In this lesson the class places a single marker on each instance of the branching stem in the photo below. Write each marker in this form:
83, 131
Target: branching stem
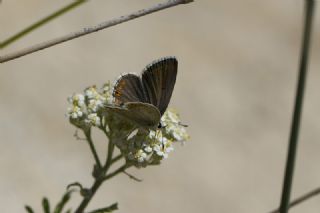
301, 199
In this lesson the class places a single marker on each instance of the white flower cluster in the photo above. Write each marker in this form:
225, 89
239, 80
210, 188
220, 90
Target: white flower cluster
140, 147
84, 110
150, 148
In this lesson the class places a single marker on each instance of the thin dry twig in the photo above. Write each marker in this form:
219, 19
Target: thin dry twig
88, 30
301, 199
40, 23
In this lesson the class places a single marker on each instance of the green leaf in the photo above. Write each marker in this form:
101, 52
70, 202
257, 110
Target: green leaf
106, 209
45, 205
62, 203
29, 209
74, 184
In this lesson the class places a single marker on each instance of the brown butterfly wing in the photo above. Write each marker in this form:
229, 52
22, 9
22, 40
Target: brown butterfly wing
142, 114
128, 88
158, 80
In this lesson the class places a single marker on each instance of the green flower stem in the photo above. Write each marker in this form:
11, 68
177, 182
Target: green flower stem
87, 199
301, 199
93, 149
292, 149
109, 161
115, 159
111, 208
119, 170
41, 22
97, 183
109, 156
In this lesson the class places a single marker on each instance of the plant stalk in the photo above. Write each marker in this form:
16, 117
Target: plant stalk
92, 148
295, 126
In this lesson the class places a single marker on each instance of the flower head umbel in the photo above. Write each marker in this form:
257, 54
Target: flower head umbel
140, 147
85, 109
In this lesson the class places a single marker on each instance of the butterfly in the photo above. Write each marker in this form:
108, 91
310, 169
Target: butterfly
143, 99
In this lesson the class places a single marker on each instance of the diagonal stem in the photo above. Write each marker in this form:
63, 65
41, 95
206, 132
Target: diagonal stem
92, 148
293, 142
88, 30
103, 169
301, 199
97, 183
119, 170
41, 22
115, 159
109, 156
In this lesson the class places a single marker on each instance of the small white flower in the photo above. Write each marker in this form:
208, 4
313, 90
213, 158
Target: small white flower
148, 149
99, 102
74, 115
141, 156
140, 159
94, 119
160, 153
152, 134
75, 112
107, 93
76, 99
106, 88
93, 105
177, 136
80, 99
158, 150
91, 92
180, 134
109, 99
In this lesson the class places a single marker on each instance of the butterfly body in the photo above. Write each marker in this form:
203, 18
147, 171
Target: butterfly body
144, 99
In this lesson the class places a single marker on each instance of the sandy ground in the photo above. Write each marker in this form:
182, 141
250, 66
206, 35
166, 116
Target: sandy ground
235, 88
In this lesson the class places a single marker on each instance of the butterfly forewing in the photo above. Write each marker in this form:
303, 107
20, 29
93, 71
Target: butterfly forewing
158, 80
143, 100
128, 88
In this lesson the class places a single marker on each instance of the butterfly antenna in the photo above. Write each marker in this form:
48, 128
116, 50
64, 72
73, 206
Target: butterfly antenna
181, 124
178, 123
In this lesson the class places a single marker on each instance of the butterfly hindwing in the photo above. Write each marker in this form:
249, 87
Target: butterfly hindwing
142, 114
128, 88
158, 80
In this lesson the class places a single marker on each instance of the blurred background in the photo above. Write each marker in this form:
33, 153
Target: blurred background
235, 89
